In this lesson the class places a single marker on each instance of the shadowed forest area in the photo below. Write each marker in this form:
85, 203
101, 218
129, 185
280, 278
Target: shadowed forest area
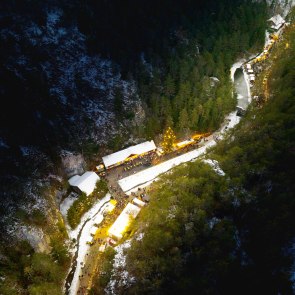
204, 233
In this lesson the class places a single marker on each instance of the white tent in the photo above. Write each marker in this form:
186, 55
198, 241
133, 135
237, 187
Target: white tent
276, 22
120, 156
85, 183
122, 222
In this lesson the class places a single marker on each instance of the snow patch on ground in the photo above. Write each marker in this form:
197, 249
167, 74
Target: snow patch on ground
135, 189
215, 165
232, 120
86, 224
88, 216
282, 6
34, 201
213, 221
145, 177
247, 80
67, 203
84, 85
151, 173
120, 276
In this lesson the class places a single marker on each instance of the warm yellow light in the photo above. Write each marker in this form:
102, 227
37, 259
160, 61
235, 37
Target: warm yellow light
119, 227
111, 205
123, 221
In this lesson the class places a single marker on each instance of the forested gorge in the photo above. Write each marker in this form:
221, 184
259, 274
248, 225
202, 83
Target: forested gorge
174, 50
188, 87
169, 48
204, 233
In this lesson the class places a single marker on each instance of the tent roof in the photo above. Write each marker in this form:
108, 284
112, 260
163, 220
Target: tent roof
73, 180
119, 226
120, 156
86, 182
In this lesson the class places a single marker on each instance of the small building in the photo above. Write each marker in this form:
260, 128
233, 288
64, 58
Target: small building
122, 222
85, 183
131, 152
276, 22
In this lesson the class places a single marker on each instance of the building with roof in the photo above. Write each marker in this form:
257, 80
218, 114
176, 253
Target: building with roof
276, 22
122, 222
85, 183
120, 157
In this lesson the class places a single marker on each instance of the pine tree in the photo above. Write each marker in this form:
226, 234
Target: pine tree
168, 121
168, 140
183, 121
170, 86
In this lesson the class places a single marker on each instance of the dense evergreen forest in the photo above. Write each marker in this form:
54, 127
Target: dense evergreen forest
169, 48
205, 233
180, 86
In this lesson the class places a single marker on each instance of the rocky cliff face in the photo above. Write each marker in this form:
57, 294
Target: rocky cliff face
56, 97
280, 6
60, 86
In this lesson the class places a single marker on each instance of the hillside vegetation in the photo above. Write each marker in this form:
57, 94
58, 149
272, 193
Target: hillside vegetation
186, 85
233, 234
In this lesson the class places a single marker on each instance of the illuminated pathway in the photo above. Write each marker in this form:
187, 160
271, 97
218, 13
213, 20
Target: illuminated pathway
144, 177
72, 281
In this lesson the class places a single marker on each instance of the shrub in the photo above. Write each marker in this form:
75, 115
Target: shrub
84, 203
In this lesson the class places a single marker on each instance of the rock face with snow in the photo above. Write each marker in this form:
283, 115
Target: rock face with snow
72, 90
63, 97
120, 277
72, 163
35, 236
59, 98
280, 6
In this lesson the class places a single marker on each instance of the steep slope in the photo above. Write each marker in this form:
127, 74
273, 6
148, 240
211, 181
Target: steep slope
206, 233
56, 96
65, 98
